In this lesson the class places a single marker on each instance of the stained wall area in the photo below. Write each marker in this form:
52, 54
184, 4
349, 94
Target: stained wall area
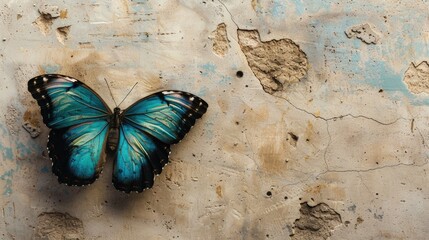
317, 124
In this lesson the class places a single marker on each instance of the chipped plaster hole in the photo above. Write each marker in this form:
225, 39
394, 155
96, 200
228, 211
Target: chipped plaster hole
276, 63
33, 130
47, 14
315, 222
220, 40
49, 11
11, 118
239, 74
43, 24
56, 225
62, 34
269, 194
417, 78
364, 32
292, 139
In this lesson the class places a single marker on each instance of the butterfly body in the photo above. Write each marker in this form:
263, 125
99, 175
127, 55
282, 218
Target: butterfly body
113, 137
84, 129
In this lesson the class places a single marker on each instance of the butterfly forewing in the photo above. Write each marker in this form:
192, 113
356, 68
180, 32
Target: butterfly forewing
65, 101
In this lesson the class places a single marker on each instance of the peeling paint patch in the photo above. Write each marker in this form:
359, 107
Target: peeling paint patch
220, 40
315, 222
276, 63
56, 225
364, 32
417, 78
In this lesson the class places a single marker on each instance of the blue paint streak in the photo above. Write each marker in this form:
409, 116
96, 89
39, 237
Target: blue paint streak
299, 7
44, 169
7, 177
278, 9
207, 69
51, 68
385, 78
225, 80
7, 152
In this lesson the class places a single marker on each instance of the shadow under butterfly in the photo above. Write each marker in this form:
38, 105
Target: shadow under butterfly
84, 129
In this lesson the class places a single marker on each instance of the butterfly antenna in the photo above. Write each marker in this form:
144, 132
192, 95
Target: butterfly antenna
127, 94
110, 92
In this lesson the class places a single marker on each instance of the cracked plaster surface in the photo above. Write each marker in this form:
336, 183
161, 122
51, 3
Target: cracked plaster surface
360, 144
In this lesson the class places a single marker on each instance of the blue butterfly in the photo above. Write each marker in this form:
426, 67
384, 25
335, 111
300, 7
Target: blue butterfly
84, 129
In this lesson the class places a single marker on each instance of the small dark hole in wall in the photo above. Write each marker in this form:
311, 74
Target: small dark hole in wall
269, 193
293, 136
380, 91
239, 74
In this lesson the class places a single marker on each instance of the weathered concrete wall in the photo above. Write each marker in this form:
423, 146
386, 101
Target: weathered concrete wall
317, 125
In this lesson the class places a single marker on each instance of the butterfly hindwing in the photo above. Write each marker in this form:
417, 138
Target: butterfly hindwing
78, 119
78, 152
147, 130
139, 157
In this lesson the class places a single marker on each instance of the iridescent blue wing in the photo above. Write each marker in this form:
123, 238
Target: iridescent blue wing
78, 119
147, 130
65, 101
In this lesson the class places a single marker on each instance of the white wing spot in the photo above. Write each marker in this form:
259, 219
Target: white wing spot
201, 103
38, 90
191, 98
43, 97
34, 82
45, 79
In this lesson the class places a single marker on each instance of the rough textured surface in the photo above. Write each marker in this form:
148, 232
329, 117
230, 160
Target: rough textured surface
56, 225
220, 40
351, 134
363, 32
276, 63
417, 77
315, 222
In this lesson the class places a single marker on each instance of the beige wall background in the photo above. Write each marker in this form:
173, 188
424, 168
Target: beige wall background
324, 135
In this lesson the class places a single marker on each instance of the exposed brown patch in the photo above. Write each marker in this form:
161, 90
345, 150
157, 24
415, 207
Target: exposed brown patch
80, 64
272, 150
63, 13
326, 191
56, 225
276, 63
417, 77
309, 131
219, 191
359, 220
315, 222
255, 4
220, 40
